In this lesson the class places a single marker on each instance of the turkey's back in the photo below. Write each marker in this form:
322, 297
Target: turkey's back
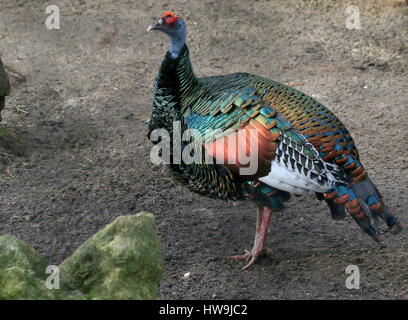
311, 119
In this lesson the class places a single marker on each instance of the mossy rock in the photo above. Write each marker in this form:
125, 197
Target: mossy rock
21, 268
122, 261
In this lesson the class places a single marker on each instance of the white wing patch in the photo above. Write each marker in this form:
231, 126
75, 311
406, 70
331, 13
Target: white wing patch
298, 168
283, 178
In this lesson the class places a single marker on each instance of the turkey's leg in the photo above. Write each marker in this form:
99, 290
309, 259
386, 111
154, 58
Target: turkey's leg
262, 223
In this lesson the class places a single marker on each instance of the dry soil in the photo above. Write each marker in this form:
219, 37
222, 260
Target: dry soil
80, 98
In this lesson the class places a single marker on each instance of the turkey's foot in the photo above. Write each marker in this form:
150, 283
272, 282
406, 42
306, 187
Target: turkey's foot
251, 257
262, 222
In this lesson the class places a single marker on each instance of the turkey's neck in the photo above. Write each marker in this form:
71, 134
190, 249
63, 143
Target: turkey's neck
174, 84
176, 45
176, 74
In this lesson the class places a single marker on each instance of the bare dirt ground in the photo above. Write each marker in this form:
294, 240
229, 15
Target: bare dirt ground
80, 96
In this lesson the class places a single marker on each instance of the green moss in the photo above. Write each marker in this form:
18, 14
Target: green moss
21, 268
122, 261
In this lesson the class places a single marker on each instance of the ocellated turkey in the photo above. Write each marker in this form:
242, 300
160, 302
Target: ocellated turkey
302, 146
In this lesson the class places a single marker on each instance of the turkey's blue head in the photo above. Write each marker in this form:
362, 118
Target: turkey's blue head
175, 28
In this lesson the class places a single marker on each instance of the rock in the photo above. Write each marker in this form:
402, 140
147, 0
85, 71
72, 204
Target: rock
122, 261
8, 141
4, 86
22, 271
4, 81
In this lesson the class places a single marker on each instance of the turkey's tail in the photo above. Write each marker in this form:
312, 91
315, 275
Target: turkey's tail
364, 203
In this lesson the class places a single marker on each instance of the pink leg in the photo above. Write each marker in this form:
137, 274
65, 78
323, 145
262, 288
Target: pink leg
262, 222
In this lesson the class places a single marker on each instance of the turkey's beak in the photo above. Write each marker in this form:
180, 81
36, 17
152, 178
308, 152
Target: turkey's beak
156, 26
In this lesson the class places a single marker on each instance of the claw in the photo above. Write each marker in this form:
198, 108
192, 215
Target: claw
250, 263
249, 256
246, 256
